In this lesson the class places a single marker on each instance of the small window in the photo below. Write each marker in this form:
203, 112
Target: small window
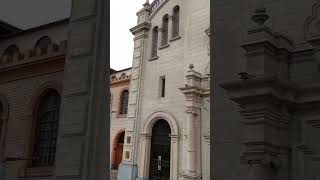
124, 102
162, 86
154, 49
127, 155
176, 20
128, 139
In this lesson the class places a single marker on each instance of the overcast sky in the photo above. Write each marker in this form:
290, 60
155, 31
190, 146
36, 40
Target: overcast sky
30, 13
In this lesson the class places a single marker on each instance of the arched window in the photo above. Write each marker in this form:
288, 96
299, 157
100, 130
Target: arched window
124, 102
165, 22
176, 20
154, 49
46, 130
8, 54
43, 44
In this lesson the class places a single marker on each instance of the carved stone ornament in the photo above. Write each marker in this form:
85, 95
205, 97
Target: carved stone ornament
312, 24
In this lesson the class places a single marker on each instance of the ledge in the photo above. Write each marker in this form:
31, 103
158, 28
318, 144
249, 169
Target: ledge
154, 58
38, 171
121, 116
175, 38
163, 46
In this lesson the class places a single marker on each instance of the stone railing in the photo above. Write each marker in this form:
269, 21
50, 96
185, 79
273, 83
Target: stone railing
155, 4
33, 55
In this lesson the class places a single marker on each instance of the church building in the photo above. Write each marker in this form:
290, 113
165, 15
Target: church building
159, 108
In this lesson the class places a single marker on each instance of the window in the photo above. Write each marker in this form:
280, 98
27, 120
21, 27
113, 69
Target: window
154, 42
162, 86
165, 22
46, 130
176, 19
124, 102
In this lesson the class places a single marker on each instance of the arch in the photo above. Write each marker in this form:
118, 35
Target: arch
42, 45
41, 91
145, 141
176, 21
10, 52
153, 118
113, 78
165, 26
123, 76
154, 48
117, 151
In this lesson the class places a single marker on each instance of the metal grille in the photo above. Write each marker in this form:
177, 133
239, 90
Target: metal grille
124, 102
47, 131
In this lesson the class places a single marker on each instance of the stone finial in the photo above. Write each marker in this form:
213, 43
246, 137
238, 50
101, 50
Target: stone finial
146, 3
260, 16
191, 66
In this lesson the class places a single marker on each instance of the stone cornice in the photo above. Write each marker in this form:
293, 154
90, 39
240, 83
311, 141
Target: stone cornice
140, 27
32, 61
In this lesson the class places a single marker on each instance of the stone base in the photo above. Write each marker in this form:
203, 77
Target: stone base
142, 178
127, 172
187, 175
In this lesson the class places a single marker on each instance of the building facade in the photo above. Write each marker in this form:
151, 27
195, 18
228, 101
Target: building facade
159, 107
169, 93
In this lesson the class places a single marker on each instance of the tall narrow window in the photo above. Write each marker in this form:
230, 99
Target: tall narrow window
46, 130
165, 22
124, 102
176, 20
162, 86
154, 42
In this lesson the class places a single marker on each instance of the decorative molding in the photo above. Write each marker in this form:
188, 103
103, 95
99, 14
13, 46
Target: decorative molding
312, 23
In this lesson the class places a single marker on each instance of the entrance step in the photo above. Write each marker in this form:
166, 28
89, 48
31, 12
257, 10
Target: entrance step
113, 174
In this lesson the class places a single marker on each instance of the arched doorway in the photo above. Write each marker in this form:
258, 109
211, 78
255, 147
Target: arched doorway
117, 151
160, 151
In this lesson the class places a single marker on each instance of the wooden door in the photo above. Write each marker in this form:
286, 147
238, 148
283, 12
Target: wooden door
118, 158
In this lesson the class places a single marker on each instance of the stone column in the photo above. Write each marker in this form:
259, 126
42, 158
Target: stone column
170, 27
160, 33
82, 151
174, 150
191, 160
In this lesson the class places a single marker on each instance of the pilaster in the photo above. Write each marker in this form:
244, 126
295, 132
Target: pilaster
129, 168
82, 128
192, 91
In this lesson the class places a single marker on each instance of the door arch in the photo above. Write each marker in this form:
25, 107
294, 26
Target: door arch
118, 150
146, 139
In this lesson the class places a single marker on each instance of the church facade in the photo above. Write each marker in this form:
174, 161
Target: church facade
169, 93
159, 108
